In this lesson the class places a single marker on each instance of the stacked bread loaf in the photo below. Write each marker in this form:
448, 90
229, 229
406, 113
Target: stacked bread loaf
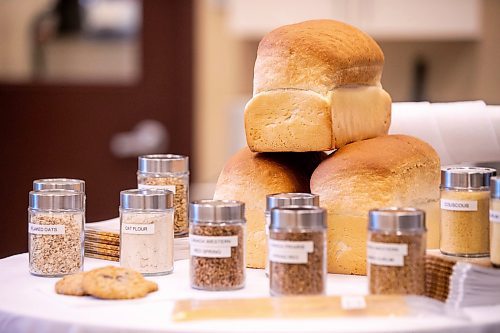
317, 88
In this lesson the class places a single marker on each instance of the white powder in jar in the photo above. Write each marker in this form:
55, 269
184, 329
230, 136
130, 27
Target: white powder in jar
147, 241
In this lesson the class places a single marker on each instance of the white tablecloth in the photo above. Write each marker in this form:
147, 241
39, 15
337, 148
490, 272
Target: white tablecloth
29, 304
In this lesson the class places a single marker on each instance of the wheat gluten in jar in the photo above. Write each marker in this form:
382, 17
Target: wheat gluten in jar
168, 172
396, 251
465, 197
147, 233
217, 244
56, 221
297, 251
495, 222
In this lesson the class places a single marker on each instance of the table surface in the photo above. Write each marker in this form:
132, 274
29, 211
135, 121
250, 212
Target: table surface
29, 304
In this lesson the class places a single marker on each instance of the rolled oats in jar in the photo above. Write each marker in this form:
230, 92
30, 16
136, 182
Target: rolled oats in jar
396, 251
495, 222
217, 244
297, 251
56, 220
465, 196
168, 172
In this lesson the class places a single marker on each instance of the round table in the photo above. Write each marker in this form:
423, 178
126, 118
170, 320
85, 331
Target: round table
29, 304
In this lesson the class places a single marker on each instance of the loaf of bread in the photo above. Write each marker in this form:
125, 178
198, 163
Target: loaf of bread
249, 177
316, 88
391, 170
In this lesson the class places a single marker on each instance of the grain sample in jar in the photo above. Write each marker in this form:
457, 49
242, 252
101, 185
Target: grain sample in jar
285, 199
147, 231
465, 197
168, 172
396, 251
217, 244
297, 251
495, 222
56, 220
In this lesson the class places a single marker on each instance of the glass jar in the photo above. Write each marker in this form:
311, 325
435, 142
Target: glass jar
465, 196
297, 251
56, 219
217, 244
147, 231
281, 200
495, 222
396, 251
168, 172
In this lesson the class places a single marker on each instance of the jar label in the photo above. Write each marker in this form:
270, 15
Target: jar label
459, 205
138, 229
212, 246
44, 229
171, 188
386, 254
290, 252
352, 302
495, 216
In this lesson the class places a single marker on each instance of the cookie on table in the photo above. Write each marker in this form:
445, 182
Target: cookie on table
117, 283
71, 285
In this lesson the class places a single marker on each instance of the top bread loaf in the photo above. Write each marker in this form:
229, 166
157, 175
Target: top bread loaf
316, 88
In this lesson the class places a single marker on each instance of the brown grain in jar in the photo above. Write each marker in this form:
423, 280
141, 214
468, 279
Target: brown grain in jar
396, 251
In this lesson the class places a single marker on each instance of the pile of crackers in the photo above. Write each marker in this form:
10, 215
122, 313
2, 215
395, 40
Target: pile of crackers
102, 245
438, 270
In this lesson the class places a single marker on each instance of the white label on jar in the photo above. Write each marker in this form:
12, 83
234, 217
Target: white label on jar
352, 302
138, 229
495, 216
386, 254
289, 252
213, 241
212, 246
210, 252
459, 205
157, 187
43, 229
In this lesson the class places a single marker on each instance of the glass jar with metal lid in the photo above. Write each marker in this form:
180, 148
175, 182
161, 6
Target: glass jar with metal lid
217, 244
396, 251
465, 196
168, 172
147, 231
495, 222
281, 200
297, 250
56, 220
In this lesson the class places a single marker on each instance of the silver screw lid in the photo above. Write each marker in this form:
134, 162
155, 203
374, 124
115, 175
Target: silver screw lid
217, 211
466, 177
59, 183
396, 219
163, 163
495, 187
146, 199
298, 217
290, 199
56, 199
